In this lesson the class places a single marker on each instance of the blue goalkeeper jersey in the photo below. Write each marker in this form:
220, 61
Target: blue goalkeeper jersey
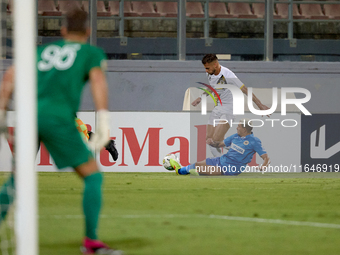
241, 149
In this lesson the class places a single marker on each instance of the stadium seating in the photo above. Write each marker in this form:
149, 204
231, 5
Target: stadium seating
194, 10
65, 6
167, 9
101, 10
241, 10
47, 8
312, 11
170, 9
332, 11
145, 9
282, 11
128, 12
218, 10
259, 10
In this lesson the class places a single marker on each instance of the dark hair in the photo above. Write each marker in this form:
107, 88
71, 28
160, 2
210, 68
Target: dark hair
209, 58
76, 21
247, 124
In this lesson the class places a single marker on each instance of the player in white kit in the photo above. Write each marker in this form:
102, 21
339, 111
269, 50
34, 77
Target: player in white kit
218, 74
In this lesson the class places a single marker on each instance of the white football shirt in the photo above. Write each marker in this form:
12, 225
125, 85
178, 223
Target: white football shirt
224, 77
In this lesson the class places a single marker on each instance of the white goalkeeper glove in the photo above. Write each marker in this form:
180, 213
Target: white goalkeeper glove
3, 122
101, 137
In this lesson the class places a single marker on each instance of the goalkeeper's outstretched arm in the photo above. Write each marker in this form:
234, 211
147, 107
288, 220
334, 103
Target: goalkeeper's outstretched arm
99, 91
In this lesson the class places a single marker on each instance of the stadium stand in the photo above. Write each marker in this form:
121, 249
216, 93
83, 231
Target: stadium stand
167, 9
332, 11
219, 10
259, 9
194, 10
240, 19
282, 11
47, 8
145, 9
128, 12
64, 6
241, 10
312, 11
101, 9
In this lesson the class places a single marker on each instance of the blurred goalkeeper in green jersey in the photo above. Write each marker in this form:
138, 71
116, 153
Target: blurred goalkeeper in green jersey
64, 67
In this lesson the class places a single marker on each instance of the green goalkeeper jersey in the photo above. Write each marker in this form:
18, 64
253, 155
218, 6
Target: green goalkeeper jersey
63, 70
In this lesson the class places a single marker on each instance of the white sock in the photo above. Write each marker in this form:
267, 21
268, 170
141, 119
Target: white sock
216, 152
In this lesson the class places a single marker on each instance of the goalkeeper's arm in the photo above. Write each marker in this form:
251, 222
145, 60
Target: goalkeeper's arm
99, 88
99, 91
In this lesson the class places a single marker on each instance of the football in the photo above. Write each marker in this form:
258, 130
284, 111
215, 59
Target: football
166, 161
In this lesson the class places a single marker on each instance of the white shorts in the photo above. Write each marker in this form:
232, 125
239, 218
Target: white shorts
221, 113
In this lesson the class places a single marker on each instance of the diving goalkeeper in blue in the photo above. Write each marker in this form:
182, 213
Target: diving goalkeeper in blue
243, 145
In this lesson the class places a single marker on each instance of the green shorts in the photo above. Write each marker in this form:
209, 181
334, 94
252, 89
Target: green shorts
63, 141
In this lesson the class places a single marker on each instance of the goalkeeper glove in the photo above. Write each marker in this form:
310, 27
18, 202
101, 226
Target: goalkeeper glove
111, 147
101, 137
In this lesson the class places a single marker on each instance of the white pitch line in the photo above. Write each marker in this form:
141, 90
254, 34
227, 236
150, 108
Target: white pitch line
277, 221
220, 217
128, 188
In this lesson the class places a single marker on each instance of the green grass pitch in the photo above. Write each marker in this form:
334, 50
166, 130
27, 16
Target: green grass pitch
165, 214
